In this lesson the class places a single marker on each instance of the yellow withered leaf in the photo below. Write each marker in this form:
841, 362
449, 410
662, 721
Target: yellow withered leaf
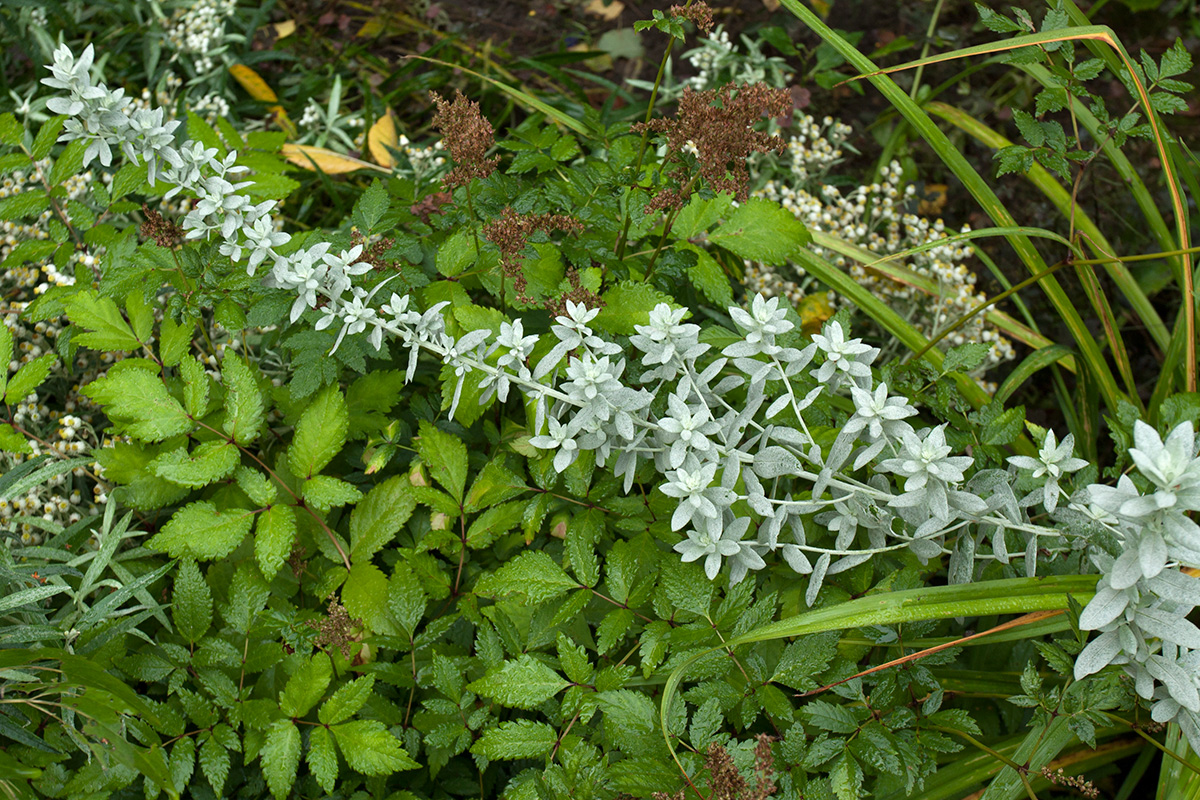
607, 12
382, 136
814, 310
285, 29
257, 88
253, 83
327, 161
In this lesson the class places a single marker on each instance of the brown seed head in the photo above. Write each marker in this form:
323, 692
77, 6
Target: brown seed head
337, 629
718, 123
468, 137
511, 233
699, 13
164, 232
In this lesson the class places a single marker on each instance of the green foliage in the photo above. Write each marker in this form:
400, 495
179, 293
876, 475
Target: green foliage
332, 588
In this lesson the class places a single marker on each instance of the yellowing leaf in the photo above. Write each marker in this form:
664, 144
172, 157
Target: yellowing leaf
257, 88
254, 85
607, 12
814, 310
285, 29
382, 136
327, 161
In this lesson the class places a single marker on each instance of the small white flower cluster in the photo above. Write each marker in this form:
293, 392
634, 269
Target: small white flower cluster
424, 163
200, 31
717, 62
873, 217
210, 106
312, 114
42, 274
49, 506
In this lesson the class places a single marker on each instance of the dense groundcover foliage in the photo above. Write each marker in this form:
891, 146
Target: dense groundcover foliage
591, 458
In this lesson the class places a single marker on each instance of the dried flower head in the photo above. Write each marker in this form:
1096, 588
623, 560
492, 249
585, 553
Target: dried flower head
164, 232
699, 13
337, 629
577, 294
1077, 782
468, 137
718, 123
373, 253
430, 205
511, 233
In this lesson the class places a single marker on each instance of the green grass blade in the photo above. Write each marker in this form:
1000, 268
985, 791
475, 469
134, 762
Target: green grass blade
524, 98
1089, 351
1035, 361
1061, 198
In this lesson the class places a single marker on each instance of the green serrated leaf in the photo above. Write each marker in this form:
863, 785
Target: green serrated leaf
446, 457
495, 484
281, 757
200, 531
46, 137
523, 683
306, 686
532, 573
257, 486
493, 523
965, 357
320, 433
761, 230
324, 492
208, 463
141, 315
322, 758
370, 749
138, 402
365, 596
105, 328
244, 411
1005, 428
699, 214
629, 304
371, 206
273, 538
195, 387
13, 442
406, 598
522, 738
10, 130
346, 701
379, 516
214, 763
28, 378
191, 602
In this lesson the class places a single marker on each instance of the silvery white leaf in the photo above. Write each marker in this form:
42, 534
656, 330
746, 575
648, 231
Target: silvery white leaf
796, 559
1169, 628
1107, 605
1097, 655
774, 462
962, 560
1177, 587
1126, 570
816, 579
780, 404
789, 436
1177, 681
848, 562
